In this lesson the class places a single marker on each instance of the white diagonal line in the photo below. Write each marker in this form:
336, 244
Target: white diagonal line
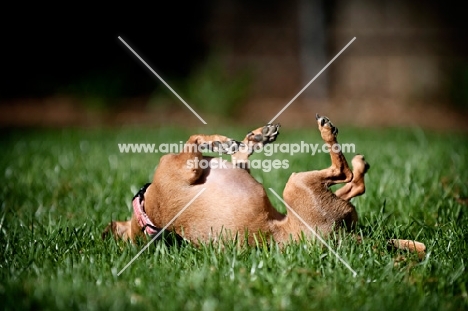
315, 233
167, 85
316, 76
160, 232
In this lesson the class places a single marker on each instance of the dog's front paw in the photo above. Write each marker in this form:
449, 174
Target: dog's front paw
270, 132
326, 128
264, 135
228, 147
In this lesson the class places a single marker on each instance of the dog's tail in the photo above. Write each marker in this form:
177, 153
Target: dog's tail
409, 245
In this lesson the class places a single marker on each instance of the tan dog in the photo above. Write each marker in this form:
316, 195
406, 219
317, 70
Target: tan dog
235, 203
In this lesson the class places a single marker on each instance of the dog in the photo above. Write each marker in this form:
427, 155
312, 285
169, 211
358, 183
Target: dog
233, 202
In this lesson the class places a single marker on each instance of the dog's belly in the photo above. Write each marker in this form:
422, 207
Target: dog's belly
233, 202
233, 182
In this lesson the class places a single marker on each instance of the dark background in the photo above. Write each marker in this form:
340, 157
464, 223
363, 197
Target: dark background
61, 56
58, 50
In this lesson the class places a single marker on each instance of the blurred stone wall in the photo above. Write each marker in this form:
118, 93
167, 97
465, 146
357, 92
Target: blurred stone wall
261, 37
408, 65
400, 69
399, 53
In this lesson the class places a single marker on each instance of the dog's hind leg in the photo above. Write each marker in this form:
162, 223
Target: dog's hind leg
308, 193
356, 186
339, 171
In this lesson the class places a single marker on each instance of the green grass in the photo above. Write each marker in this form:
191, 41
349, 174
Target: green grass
60, 189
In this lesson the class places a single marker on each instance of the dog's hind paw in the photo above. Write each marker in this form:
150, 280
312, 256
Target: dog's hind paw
327, 129
360, 164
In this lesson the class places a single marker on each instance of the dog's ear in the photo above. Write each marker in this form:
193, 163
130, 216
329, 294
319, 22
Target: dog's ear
109, 229
119, 229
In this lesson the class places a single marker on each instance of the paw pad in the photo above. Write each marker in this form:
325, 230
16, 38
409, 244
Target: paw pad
270, 132
324, 122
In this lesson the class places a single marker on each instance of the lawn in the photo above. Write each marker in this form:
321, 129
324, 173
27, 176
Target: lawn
61, 187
